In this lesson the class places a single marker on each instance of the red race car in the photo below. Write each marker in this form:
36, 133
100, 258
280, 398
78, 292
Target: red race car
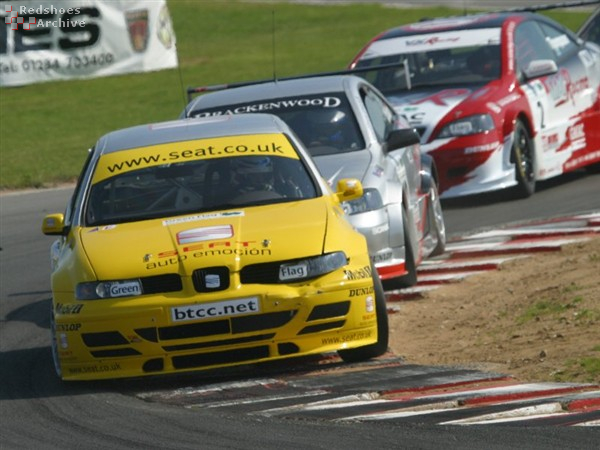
501, 100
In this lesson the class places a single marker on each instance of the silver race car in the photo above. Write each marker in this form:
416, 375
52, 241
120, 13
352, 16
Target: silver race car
351, 130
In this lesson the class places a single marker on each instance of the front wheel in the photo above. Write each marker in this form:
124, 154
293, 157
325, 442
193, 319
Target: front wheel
383, 330
410, 278
524, 158
436, 221
593, 168
54, 346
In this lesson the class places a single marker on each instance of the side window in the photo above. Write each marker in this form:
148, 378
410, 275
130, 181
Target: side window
591, 30
78, 192
560, 43
530, 44
382, 117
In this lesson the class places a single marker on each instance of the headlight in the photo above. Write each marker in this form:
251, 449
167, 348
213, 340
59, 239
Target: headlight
370, 201
108, 289
312, 267
468, 125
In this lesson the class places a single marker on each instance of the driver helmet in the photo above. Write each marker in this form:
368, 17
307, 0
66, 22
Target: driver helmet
328, 126
253, 173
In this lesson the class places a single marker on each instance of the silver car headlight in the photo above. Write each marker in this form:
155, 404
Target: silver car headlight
479, 123
108, 289
370, 201
308, 268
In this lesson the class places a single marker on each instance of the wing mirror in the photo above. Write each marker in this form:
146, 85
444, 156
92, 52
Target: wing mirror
349, 189
53, 224
404, 137
539, 68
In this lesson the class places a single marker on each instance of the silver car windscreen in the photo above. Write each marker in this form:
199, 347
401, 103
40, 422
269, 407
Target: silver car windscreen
325, 122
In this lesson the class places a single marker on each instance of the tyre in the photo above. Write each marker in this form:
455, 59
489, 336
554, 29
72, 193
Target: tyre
54, 347
383, 330
410, 279
524, 158
593, 168
435, 217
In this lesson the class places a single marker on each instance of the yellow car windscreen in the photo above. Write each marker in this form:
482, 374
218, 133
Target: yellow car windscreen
184, 177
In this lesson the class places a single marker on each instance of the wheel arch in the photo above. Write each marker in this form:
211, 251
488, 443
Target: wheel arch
395, 215
511, 118
428, 172
411, 226
525, 120
394, 210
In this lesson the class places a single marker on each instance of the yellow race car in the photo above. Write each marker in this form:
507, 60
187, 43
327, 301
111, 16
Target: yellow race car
205, 243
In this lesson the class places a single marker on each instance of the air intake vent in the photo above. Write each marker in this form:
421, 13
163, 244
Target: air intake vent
170, 282
115, 353
322, 327
330, 310
216, 358
104, 339
266, 273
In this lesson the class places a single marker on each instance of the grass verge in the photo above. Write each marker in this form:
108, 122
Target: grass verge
45, 129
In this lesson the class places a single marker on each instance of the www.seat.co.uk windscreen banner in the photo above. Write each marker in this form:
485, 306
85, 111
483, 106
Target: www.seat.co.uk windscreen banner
67, 39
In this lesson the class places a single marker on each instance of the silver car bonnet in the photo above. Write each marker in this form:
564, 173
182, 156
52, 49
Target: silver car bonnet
343, 165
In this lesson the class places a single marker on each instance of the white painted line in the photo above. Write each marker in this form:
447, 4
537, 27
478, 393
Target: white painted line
503, 390
530, 244
212, 388
393, 309
528, 412
370, 398
412, 290
450, 264
405, 412
593, 215
544, 243
467, 243
257, 400
536, 231
591, 423
452, 402
448, 276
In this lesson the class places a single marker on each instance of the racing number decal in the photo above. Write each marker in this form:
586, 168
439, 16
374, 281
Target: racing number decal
538, 100
541, 108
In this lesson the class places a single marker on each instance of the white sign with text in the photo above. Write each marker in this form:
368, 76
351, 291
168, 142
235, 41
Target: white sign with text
69, 39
